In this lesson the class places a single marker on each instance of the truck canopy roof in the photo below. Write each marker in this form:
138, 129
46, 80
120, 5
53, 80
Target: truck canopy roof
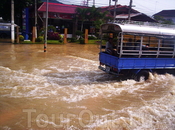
138, 29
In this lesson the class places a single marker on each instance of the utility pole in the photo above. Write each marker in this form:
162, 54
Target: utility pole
129, 12
87, 2
36, 21
109, 6
115, 8
109, 2
84, 3
34, 32
93, 2
45, 38
12, 22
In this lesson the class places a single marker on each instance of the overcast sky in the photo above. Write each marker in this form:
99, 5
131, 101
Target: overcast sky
148, 7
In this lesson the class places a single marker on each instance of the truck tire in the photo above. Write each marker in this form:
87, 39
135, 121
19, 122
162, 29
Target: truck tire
142, 75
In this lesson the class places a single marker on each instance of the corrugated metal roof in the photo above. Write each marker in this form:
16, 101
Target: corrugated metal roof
119, 8
135, 17
51, 1
59, 8
125, 16
166, 13
111, 7
144, 29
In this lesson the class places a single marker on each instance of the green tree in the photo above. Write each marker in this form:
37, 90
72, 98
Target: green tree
95, 15
81, 14
162, 20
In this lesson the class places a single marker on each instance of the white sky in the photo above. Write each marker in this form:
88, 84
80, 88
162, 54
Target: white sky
148, 7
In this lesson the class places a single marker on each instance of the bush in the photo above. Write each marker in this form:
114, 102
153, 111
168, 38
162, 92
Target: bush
21, 37
40, 39
51, 28
83, 35
73, 39
82, 41
61, 40
53, 36
41, 32
78, 32
92, 38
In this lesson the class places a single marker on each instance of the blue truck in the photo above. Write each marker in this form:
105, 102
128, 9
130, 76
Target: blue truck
138, 49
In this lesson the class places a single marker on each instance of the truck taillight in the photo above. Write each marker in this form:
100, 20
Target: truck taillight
101, 63
115, 69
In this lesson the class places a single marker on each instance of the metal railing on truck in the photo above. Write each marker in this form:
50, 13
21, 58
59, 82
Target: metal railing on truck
158, 47
147, 40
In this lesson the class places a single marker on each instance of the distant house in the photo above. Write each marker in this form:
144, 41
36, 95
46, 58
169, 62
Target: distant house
59, 15
122, 13
63, 15
166, 14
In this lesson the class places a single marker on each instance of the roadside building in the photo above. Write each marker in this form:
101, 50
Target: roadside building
122, 13
59, 15
63, 16
167, 14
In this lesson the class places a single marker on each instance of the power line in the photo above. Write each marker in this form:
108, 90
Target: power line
80, 3
141, 7
144, 9
154, 5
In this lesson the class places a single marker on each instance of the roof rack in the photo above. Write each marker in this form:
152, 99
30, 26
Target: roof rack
142, 23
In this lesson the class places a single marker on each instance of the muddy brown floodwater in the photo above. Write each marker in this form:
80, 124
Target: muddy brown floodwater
63, 89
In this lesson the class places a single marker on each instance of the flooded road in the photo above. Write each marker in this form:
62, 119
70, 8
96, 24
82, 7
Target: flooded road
63, 89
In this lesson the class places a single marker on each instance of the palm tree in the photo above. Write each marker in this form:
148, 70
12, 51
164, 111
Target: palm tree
81, 14
97, 16
91, 14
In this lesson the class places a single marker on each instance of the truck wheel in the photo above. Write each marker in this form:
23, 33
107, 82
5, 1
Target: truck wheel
142, 75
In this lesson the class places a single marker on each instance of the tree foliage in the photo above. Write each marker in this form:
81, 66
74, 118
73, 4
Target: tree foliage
162, 20
19, 5
92, 14
81, 14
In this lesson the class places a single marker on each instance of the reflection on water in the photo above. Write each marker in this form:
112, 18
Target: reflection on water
63, 89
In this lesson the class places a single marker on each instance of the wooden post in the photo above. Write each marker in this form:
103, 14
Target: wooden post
17, 34
33, 34
86, 36
65, 35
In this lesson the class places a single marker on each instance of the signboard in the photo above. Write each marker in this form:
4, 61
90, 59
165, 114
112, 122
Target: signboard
60, 16
25, 23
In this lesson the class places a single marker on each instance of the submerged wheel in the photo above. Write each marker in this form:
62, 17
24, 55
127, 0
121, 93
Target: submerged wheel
143, 75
